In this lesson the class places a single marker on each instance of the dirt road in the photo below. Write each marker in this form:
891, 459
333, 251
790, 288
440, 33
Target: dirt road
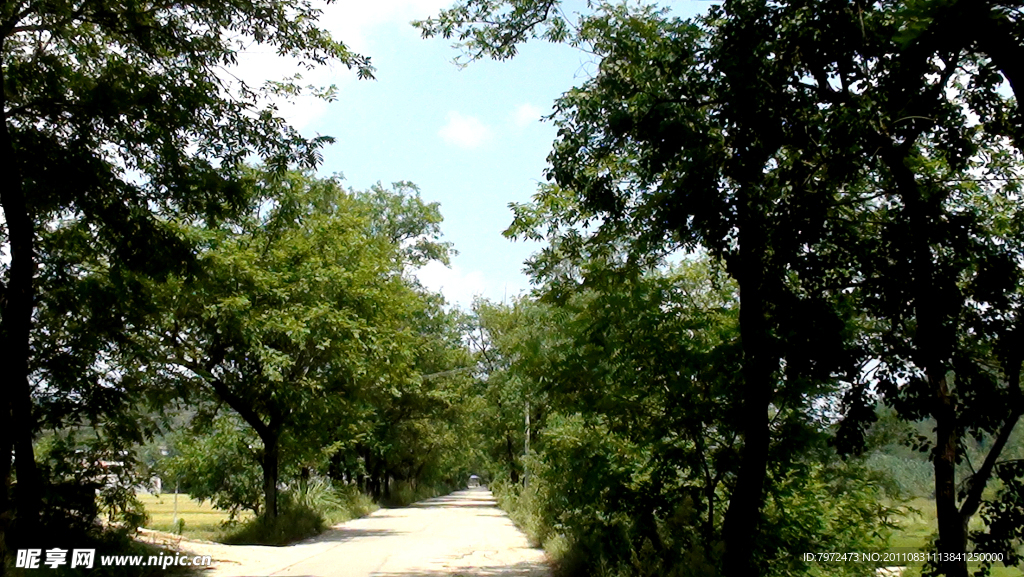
462, 534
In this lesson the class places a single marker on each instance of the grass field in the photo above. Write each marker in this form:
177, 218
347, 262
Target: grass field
916, 528
202, 521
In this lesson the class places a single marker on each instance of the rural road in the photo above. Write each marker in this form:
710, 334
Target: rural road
462, 534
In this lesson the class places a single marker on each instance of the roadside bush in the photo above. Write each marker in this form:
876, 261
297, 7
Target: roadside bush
303, 514
337, 503
216, 464
590, 503
292, 524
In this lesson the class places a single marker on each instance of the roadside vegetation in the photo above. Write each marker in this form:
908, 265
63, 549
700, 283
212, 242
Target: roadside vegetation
778, 307
773, 235
193, 519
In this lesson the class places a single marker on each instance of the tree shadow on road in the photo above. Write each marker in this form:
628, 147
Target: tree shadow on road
459, 500
341, 533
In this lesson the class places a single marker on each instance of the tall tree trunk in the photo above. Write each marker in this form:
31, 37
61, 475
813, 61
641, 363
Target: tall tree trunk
759, 365
16, 307
6, 448
510, 451
271, 461
934, 340
952, 525
756, 136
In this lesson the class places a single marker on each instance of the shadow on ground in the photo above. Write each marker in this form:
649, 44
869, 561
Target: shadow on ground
341, 533
460, 500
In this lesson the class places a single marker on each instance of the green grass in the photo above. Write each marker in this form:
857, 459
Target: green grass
201, 520
293, 524
916, 528
302, 516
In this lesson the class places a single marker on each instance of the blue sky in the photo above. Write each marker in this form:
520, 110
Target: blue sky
470, 138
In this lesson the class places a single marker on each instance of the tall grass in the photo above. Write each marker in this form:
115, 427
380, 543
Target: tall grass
293, 523
303, 513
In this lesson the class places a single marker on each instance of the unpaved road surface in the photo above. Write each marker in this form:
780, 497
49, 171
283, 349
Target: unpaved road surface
462, 534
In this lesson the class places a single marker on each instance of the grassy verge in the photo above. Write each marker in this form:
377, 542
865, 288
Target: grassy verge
302, 515
292, 524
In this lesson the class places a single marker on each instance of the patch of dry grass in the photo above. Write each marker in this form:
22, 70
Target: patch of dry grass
201, 520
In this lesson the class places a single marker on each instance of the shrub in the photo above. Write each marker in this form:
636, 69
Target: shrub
336, 502
292, 524
303, 514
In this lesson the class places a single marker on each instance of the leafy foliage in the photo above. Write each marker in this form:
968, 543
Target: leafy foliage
219, 465
300, 313
117, 123
850, 163
633, 457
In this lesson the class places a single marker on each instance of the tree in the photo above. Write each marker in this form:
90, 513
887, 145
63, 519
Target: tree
506, 340
129, 103
633, 461
218, 464
818, 148
300, 304
416, 434
666, 150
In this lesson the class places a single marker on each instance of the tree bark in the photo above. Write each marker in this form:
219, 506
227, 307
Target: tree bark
952, 525
510, 451
270, 464
16, 305
6, 448
934, 339
744, 512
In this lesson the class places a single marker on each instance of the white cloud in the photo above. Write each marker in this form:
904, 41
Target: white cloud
526, 114
458, 286
464, 131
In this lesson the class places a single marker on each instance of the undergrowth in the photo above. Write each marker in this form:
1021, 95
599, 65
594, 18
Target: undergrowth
303, 514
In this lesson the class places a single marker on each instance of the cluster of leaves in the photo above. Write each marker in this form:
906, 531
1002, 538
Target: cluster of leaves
118, 124
635, 392
855, 167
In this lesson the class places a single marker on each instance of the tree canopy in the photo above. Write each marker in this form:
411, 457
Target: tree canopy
117, 118
855, 166
782, 248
